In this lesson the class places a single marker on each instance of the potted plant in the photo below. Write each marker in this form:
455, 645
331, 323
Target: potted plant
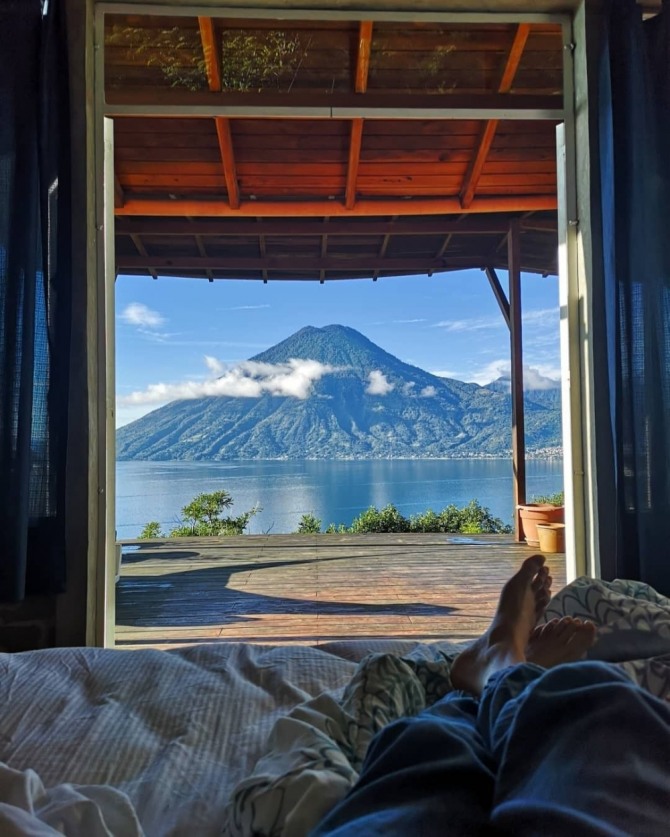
547, 509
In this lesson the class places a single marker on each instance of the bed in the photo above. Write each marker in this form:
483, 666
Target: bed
241, 739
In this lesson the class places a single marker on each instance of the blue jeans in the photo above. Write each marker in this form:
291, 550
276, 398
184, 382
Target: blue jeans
575, 750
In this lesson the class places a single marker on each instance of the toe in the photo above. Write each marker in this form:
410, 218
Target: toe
531, 566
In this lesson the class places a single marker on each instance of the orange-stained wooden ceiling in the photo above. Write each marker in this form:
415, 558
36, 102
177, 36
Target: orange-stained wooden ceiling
208, 185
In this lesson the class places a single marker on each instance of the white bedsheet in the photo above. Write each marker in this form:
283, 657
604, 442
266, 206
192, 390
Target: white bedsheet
173, 731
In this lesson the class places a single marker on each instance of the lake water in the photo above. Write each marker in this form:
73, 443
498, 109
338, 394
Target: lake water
335, 491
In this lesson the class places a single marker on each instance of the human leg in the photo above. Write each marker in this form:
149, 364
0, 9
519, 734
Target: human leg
580, 750
431, 775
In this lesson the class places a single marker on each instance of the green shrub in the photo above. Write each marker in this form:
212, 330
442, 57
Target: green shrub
473, 519
202, 518
557, 499
388, 519
309, 525
151, 530
337, 529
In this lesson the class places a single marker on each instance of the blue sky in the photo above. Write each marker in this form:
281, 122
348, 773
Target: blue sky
173, 335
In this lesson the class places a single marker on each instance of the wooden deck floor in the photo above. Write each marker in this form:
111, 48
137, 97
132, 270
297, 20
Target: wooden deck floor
313, 588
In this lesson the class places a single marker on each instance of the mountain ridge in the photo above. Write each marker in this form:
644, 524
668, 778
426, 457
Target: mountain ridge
368, 405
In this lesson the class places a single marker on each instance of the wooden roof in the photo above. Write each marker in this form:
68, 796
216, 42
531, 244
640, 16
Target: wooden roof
303, 149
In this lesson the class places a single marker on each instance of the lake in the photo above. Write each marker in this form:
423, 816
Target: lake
335, 491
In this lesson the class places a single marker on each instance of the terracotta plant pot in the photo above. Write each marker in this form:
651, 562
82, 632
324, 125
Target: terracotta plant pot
533, 513
551, 536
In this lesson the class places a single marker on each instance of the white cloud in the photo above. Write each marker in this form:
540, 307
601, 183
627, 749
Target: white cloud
138, 314
544, 317
378, 384
249, 379
540, 318
474, 324
215, 366
408, 387
428, 392
408, 322
245, 307
541, 376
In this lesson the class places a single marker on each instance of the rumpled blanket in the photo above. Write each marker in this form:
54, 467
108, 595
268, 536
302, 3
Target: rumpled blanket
315, 753
27, 808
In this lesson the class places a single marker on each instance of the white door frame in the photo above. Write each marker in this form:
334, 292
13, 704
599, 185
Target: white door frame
574, 288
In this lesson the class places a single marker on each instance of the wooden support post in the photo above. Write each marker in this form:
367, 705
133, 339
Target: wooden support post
518, 423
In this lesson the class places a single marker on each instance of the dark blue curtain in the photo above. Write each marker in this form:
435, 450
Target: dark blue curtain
34, 296
634, 158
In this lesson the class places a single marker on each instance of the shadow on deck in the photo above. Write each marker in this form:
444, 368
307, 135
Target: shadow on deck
311, 589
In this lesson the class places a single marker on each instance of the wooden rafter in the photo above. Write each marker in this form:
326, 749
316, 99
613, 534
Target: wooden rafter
326, 208
211, 53
203, 252
119, 194
363, 58
324, 250
142, 250
263, 250
355, 142
223, 132
443, 248
356, 135
228, 157
474, 172
385, 243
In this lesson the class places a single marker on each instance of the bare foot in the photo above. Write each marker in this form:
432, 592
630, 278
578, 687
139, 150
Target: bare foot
563, 640
542, 591
504, 643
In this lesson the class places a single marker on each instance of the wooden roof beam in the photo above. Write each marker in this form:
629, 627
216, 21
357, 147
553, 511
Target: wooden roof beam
290, 263
356, 136
476, 167
295, 227
223, 133
201, 249
142, 250
173, 102
325, 208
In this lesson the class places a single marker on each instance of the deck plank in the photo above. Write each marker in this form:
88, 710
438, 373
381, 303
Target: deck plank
310, 589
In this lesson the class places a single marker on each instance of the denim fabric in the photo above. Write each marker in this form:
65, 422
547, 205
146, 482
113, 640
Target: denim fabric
576, 750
